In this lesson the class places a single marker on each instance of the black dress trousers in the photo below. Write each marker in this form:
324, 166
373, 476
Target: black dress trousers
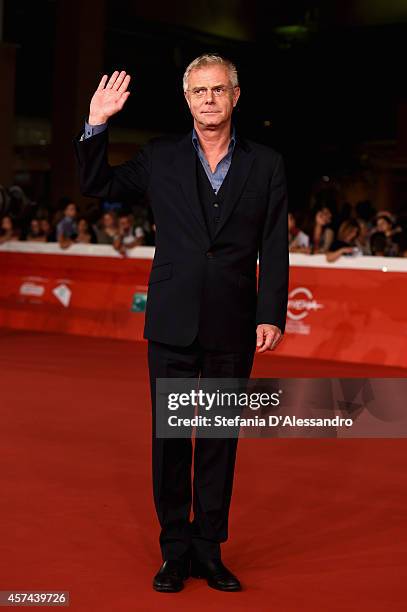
214, 459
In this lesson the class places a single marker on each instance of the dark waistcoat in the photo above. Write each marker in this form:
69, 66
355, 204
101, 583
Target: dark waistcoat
212, 203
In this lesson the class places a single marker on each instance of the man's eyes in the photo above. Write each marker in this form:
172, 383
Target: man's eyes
204, 89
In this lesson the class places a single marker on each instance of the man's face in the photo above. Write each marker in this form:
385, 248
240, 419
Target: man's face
82, 225
124, 224
108, 220
383, 225
327, 214
211, 111
35, 225
45, 225
70, 210
324, 216
6, 224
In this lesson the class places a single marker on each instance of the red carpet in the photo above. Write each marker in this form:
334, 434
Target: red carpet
315, 524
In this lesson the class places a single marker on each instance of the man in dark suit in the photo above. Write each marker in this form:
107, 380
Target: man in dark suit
218, 201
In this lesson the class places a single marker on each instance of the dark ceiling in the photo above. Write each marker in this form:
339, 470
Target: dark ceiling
326, 75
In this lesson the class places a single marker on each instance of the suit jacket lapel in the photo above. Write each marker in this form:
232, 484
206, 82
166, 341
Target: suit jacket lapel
240, 167
186, 169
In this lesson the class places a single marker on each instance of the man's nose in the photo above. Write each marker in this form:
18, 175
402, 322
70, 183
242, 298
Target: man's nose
209, 95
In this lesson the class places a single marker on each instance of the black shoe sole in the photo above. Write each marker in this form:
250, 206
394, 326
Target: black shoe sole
166, 589
233, 589
212, 585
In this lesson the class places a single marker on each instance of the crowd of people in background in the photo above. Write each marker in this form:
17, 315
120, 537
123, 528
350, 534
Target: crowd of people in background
351, 231
110, 223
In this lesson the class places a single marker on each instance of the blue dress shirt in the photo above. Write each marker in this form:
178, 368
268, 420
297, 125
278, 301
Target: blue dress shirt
215, 178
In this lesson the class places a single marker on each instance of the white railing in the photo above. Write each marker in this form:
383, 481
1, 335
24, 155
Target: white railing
384, 264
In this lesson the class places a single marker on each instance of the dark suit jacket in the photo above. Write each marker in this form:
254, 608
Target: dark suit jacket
199, 285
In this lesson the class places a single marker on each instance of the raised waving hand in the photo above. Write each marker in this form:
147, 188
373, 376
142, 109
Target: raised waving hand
109, 98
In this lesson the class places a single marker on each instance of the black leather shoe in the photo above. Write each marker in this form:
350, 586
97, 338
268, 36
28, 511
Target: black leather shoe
217, 575
170, 577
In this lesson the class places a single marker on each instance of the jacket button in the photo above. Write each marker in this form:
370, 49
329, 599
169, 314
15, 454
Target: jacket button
210, 254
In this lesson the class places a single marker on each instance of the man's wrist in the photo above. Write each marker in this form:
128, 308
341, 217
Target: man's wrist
271, 325
96, 120
93, 130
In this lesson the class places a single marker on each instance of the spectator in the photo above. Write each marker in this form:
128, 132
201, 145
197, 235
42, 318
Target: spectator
378, 244
46, 227
35, 233
320, 233
143, 216
345, 244
8, 231
298, 240
129, 235
107, 229
67, 228
385, 225
362, 241
85, 233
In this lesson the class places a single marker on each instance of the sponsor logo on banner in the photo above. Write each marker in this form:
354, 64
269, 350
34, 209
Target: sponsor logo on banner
32, 289
63, 294
139, 302
301, 303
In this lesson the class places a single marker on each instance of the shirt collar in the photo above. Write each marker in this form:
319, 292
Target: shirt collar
197, 146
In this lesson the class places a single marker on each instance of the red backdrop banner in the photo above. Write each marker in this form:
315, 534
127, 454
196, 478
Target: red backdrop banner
352, 315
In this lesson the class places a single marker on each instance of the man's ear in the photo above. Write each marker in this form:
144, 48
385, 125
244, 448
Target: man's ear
187, 99
236, 95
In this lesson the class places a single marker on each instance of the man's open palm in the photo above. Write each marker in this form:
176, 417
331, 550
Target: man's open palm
109, 98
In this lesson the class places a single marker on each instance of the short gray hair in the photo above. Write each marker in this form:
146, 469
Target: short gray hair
206, 60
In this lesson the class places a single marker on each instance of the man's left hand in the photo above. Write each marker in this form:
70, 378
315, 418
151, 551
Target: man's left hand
268, 337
